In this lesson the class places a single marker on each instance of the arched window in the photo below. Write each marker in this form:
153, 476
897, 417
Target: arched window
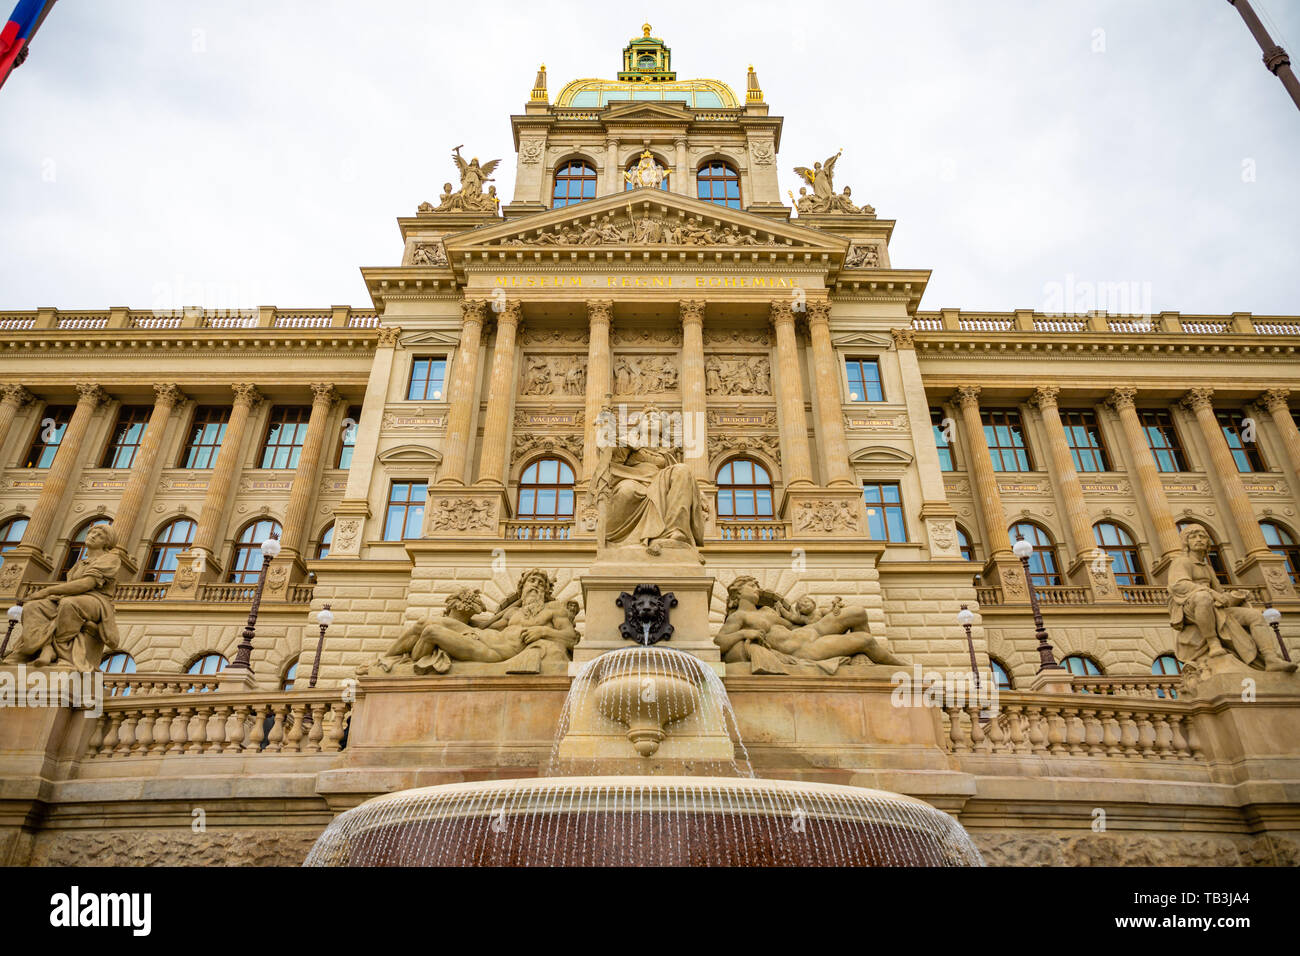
175, 537
1080, 665
574, 182
209, 662
663, 183
77, 546
546, 491
119, 662
1044, 567
1000, 673
1166, 664
326, 537
1121, 552
289, 675
963, 544
11, 533
718, 182
744, 491
1213, 557
246, 562
1280, 541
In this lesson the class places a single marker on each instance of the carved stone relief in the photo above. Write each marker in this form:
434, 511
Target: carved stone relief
645, 375
738, 375
862, 257
463, 515
644, 230
554, 375
661, 337
736, 337
823, 516
428, 254
529, 444
769, 445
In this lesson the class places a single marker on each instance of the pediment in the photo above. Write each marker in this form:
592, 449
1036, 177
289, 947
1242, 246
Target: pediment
646, 218
410, 455
863, 339
642, 111
880, 455
431, 337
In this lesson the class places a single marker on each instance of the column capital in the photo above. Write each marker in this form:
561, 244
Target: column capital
1198, 398
91, 393
600, 310
511, 314
1275, 400
781, 312
1045, 396
323, 393
691, 310
967, 396
903, 338
16, 395
169, 395
1122, 398
473, 310
389, 336
819, 311
246, 394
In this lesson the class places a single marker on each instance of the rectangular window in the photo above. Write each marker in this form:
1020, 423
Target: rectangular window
941, 443
1083, 435
348, 437
1245, 453
1006, 440
1162, 439
49, 432
285, 433
206, 434
428, 376
127, 435
884, 511
864, 380
405, 515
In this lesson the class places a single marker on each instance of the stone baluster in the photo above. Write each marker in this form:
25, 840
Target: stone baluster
293, 731
275, 737
496, 424
998, 741
1057, 731
1181, 749
1016, 724
256, 731
462, 389
198, 730
1076, 734
1164, 737
1094, 735
144, 732
693, 397
126, 734
235, 729
317, 729
143, 478
600, 315
336, 728
51, 503
1152, 489
180, 730
957, 739
217, 728
1129, 735
1146, 735
1037, 728
112, 736
979, 740
12, 398
797, 463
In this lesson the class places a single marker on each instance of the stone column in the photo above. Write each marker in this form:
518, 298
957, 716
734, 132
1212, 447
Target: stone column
1201, 402
967, 398
212, 515
13, 398
496, 426
693, 398
1275, 400
613, 168
51, 501
306, 477
681, 177
135, 496
600, 314
1066, 479
794, 422
463, 393
351, 514
1148, 473
830, 407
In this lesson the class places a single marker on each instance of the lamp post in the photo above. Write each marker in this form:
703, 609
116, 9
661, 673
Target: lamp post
966, 617
1047, 662
325, 617
1271, 617
270, 548
15, 617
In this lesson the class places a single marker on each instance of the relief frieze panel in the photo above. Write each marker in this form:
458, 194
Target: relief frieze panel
553, 375
645, 375
738, 375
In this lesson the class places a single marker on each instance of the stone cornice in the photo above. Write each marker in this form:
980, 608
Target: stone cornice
1098, 345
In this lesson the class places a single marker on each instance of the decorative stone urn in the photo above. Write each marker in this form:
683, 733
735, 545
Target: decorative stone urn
645, 702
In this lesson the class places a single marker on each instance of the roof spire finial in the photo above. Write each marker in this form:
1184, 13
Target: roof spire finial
753, 92
539, 85
645, 29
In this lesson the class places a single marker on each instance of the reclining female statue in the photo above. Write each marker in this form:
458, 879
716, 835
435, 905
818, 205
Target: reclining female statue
72, 622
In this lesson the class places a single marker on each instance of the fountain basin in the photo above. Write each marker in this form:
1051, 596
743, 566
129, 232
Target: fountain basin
643, 821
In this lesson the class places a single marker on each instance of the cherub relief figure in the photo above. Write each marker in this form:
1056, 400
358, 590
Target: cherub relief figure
759, 630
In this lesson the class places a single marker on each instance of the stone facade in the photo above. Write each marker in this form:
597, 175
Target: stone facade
757, 327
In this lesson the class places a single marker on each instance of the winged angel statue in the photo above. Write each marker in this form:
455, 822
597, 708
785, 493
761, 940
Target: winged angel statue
824, 198
471, 197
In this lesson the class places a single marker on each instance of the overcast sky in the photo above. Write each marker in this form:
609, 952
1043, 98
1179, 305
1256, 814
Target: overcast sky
158, 153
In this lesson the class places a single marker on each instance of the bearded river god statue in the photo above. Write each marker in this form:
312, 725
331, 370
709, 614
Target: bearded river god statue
762, 628
646, 496
531, 633
72, 622
1216, 630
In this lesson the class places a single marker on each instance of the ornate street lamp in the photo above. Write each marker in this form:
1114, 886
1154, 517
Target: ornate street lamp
966, 618
16, 616
1271, 617
270, 548
1047, 662
324, 617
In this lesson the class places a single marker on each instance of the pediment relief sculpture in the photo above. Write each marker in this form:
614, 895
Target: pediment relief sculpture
530, 633
738, 375
645, 375
762, 627
554, 375
823, 198
643, 230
